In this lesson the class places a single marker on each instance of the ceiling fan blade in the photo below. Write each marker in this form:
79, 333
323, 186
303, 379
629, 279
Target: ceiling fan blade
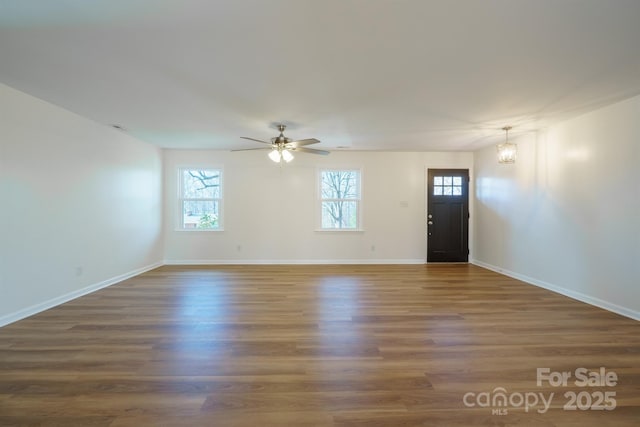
310, 150
302, 142
251, 149
256, 140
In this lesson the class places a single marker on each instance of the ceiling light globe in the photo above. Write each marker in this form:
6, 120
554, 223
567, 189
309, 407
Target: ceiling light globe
287, 156
275, 156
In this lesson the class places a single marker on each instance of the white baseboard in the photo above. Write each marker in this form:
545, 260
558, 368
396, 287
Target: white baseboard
45, 305
29, 311
37, 308
290, 261
579, 296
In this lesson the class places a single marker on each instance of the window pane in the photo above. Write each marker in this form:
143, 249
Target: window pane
437, 180
201, 184
457, 180
343, 186
437, 191
447, 180
447, 191
457, 191
340, 185
340, 214
202, 215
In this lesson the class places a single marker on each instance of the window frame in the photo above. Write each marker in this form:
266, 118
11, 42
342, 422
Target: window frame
179, 223
359, 200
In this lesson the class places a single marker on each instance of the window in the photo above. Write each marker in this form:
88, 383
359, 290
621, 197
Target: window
447, 186
200, 199
340, 199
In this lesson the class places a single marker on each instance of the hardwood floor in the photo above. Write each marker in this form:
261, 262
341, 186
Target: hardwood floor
316, 346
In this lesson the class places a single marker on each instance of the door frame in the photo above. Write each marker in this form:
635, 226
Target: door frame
470, 204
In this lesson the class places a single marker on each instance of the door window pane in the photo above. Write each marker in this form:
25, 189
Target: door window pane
447, 186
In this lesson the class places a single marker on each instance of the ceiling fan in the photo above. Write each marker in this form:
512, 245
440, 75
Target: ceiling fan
281, 146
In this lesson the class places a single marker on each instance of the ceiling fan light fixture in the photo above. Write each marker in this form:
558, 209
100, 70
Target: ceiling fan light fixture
287, 156
507, 151
281, 147
275, 155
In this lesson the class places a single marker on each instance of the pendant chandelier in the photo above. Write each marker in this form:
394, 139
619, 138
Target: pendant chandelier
507, 151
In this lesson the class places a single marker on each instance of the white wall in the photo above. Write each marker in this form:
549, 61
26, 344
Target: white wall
81, 205
566, 215
270, 211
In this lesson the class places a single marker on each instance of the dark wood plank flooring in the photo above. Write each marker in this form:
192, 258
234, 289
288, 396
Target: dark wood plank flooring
398, 345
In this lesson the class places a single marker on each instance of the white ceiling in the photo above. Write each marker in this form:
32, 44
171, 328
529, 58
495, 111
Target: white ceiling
364, 74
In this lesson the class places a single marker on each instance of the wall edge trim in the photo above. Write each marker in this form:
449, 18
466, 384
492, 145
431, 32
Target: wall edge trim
53, 302
578, 296
290, 261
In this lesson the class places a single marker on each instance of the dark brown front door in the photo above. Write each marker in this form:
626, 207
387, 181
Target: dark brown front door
448, 215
